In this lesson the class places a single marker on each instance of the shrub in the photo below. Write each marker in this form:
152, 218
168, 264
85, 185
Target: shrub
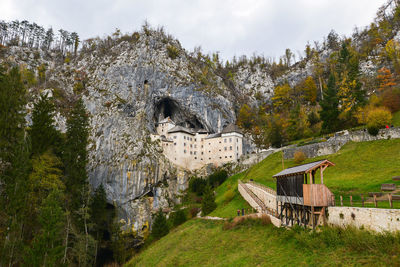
299, 157
217, 178
197, 185
247, 221
160, 226
178, 217
208, 204
193, 212
377, 118
173, 52
373, 130
228, 195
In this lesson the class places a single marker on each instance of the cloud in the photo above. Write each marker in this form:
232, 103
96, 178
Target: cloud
232, 27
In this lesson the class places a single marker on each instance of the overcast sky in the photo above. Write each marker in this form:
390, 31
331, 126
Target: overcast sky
232, 27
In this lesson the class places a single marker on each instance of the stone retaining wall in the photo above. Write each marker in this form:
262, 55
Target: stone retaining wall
248, 198
333, 144
267, 198
379, 220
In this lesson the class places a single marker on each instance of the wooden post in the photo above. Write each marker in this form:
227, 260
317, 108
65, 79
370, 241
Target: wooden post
351, 201
341, 201
362, 200
375, 202
390, 200
322, 175
312, 217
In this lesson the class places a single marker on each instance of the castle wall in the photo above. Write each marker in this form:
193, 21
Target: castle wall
193, 151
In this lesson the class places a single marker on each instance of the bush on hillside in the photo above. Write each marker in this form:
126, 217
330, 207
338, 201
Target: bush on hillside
160, 226
178, 217
197, 185
173, 52
217, 178
208, 204
377, 118
299, 157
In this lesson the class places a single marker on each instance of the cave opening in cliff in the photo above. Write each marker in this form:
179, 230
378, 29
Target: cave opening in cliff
168, 107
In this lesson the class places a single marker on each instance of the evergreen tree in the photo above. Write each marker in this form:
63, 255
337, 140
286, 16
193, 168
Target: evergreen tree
208, 203
47, 247
43, 132
14, 166
330, 107
160, 227
75, 154
178, 217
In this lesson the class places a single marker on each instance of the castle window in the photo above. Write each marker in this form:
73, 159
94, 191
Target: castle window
194, 152
230, 140
237, 148
226, 157
174, 144
209, 158
191, 152
184, 144
201, 146
209, 144
191, 146
202, 153
195, 139
201, 159
195, 157
220, 150
175, 137
225, 149
230, 148
237, 139
224, 140
209, 151
220, 157
230, 156
184, 137
195, 146
220, 142
184, 151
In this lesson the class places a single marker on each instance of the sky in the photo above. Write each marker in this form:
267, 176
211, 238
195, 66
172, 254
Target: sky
230, 27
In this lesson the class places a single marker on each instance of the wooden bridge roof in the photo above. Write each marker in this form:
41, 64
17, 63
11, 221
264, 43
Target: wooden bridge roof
305, 168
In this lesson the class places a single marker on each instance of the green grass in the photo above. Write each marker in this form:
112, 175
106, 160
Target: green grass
360, 167
396, 119
205, 243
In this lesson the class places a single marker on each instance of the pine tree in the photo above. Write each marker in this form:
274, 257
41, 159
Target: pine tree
208, 203
75, 154
47, 247
43, 132
160, 227
14, 165
330, 107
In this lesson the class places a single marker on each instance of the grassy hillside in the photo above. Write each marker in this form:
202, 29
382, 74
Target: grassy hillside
206, 243
360, 168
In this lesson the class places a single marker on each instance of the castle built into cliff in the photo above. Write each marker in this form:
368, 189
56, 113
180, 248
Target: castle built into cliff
193, 148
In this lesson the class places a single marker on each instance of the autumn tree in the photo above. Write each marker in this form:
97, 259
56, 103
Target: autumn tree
282, 97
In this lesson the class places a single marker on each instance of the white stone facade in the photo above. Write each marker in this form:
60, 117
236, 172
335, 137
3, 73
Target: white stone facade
192, 149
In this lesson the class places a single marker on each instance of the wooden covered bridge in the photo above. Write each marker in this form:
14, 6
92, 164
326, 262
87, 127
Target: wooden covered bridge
299, 198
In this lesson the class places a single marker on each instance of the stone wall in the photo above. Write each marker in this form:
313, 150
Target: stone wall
368, 218
268, 198
333, 144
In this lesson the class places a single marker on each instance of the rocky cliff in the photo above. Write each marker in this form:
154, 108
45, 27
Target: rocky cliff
127, 87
